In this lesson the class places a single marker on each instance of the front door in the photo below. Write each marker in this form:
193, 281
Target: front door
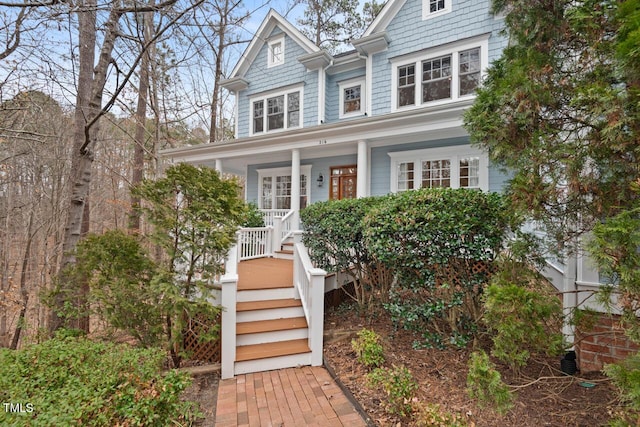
344, 182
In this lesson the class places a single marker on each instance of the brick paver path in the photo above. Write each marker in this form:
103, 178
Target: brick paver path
294, 397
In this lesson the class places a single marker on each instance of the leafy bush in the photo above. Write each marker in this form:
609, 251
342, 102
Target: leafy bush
399, 385
368, 348
253, 216
626, 375
485, 383
122, 286
73, 381
334, 234
435, 240
523, 316
431, 415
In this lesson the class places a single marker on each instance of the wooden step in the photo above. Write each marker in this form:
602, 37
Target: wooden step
272, 349
285, 251
271, 325
268, 304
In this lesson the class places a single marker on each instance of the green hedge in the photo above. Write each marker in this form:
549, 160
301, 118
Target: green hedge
70, 381
432, 239
334, 234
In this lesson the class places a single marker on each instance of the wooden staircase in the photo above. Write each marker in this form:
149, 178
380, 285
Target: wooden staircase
286, 250
271, 329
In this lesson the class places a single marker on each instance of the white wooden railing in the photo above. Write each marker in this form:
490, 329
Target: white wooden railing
229, 283
268, 215
255, 242
309, 283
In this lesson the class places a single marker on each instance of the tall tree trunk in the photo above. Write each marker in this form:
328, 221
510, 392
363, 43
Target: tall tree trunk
82, 156
222, 30
141, 121
24, 292
91, 82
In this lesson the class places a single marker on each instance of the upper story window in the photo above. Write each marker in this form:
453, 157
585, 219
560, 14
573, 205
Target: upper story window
275, 51
447, 167
437, 76
276, 112
433, 8
352, 97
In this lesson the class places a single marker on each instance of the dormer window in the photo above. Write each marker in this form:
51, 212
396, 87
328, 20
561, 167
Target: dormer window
352, 97
433, 8
276, 51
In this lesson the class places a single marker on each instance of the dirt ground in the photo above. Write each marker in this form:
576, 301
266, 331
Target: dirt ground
544, 396
204, 391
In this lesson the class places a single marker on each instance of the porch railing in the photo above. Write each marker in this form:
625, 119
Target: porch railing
309, 283
255, 242
268, 215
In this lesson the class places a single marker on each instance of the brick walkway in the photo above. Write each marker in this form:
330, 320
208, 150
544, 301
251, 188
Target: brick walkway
294, 397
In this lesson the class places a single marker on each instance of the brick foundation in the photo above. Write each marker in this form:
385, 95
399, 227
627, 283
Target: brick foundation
604, 343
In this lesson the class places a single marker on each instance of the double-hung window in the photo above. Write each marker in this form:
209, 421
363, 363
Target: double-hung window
450, 167
275, 52
436, 79
276, 112
352, 97
442, 74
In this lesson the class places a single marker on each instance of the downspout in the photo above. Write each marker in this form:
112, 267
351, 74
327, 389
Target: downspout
569, 303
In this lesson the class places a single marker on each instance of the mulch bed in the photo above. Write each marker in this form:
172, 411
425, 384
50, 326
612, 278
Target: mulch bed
544, 396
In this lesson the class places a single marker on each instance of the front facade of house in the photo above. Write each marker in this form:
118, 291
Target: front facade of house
383, 117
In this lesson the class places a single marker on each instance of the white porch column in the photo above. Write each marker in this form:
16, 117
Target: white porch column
363, 166
295, 188
219, 165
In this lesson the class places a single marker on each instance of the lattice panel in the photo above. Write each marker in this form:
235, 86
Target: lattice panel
203, 351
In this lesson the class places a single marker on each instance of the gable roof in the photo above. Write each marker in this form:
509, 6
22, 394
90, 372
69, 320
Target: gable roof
270, 22
388, 12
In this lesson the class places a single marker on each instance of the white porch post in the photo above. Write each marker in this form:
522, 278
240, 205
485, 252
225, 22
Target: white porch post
229, 283
219, 165
295, 188
363, 165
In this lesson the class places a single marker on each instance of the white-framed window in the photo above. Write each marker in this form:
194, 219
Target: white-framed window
276, 111
448, 167
439, 75
433, 8
275, 54
274, 187
352, 101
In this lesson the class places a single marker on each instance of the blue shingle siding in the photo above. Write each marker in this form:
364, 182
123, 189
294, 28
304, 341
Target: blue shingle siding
262, 78
408, 33
332, 112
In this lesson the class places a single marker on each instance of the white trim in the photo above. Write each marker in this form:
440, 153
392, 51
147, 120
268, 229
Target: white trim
271, 60
369, 85
384, 18
322, 82
273, 94
236, 112
284, 171
426, 14
267, 26
454, 154
358, 81
416, 59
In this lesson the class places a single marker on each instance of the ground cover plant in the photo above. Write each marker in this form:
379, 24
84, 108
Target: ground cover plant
73, 381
